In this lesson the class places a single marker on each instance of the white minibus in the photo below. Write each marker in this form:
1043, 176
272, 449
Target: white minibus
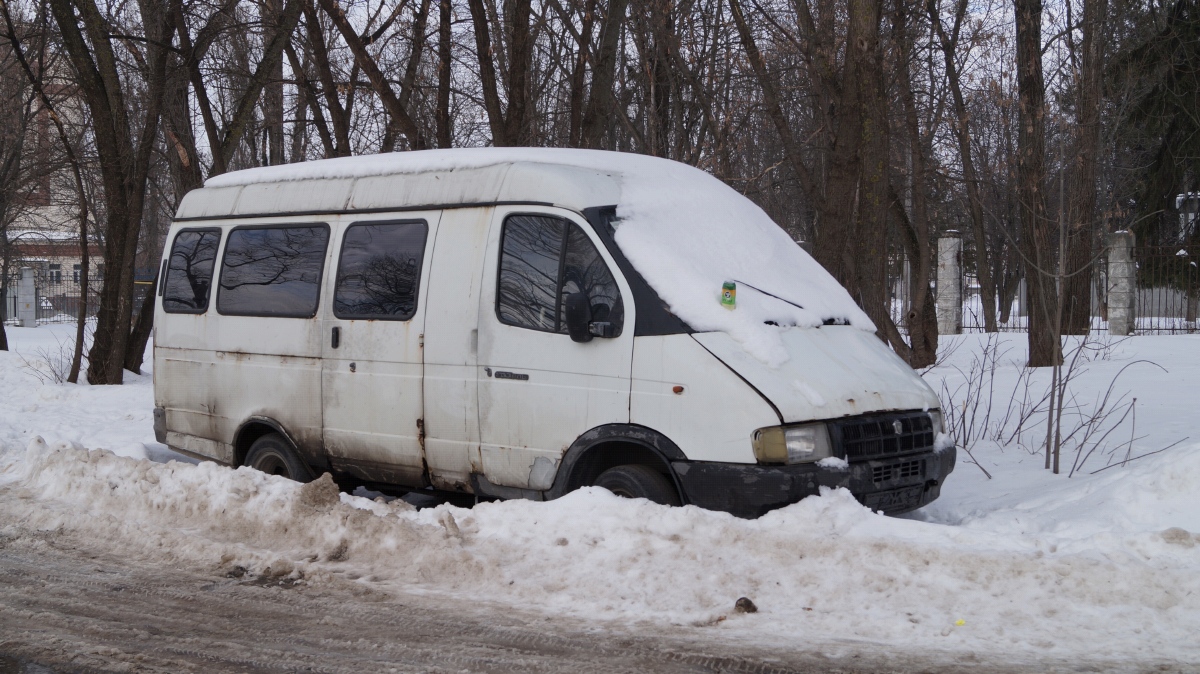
519, 323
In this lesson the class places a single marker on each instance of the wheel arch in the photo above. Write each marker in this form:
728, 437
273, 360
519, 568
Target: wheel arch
253, 429
612, 445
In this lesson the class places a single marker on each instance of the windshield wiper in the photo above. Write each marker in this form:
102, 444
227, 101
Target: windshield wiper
827, 321
768, 294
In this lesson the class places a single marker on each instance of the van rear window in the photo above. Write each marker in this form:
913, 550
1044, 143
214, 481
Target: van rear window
273, 271
379, 270
190, 271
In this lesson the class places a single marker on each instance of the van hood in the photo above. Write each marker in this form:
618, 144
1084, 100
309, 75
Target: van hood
831, 372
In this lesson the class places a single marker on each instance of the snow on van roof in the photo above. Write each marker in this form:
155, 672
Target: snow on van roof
684, 230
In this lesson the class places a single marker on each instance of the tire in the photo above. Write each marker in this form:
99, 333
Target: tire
273, 455
638, 481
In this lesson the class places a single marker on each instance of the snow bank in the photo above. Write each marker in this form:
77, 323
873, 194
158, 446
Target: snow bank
685, 231
825, 568
1154, 493
1095, 568
118, 418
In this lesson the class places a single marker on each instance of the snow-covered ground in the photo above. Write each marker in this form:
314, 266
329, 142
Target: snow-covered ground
1024, 566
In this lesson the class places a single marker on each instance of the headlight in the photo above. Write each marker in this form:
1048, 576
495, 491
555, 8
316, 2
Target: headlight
936, 417
792, 444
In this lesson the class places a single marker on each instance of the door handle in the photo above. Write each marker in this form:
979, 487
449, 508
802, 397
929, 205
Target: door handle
336, 339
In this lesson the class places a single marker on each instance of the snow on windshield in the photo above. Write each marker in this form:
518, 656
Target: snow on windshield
685, 231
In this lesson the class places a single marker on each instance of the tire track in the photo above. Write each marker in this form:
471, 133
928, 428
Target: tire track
93, 607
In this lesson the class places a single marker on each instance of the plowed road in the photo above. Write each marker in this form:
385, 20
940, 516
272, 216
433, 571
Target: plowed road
69, 605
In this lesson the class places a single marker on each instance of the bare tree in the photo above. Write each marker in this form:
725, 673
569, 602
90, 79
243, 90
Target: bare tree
392, 102
512, 45
851, 192
949, 42
36, 80
125, 154
1039, 243
18, 110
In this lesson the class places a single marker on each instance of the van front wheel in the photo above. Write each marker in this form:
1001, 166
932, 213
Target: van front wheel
274, 456
638, 481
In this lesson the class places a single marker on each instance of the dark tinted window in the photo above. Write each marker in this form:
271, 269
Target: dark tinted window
189, 271
379, 271
544, 260
273, 271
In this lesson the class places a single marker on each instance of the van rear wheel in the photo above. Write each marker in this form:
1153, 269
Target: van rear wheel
273, 455
639, 481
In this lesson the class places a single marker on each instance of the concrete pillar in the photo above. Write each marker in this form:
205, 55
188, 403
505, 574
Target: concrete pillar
949, 284
26, 299
1122, 283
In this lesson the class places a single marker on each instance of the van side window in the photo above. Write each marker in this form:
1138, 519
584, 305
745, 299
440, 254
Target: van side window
543, 259
379, 271
273, 271
189, 271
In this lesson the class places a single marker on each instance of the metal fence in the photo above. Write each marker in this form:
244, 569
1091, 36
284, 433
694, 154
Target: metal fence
59, 296
1167, 298
1168, 283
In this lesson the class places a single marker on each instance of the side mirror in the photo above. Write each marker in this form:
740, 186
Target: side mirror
578, 312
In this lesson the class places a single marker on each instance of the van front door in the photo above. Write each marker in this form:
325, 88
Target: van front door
372, 365
538, 389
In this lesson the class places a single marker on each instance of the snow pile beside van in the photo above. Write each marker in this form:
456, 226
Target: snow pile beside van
1098, 568
823, 569
685, 231
119, 418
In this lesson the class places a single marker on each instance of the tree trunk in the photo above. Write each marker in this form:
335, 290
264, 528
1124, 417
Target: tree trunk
583, 47
444, 132
1038, 240
487, 73
603, 75
1081, 230
272, 102
5, 265
338, 118
84, 261
264, 74
4, 310
518, 125
866, 57
662, 33
922, 314
124, 159
851, 195
379, 81
140, 335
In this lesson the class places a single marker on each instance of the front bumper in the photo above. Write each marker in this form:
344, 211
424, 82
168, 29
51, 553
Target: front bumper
893, 485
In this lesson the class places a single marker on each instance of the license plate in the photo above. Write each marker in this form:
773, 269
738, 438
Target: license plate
896, 498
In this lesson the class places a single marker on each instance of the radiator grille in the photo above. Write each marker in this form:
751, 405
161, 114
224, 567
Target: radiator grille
897, 471
885, 435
